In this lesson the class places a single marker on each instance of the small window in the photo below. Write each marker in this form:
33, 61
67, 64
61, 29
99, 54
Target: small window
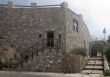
40, 35
59, 36
75, 25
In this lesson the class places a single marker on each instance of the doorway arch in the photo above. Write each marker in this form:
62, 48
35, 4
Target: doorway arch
96, 49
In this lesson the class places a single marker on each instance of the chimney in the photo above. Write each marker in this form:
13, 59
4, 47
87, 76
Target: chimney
64, 5
10, 4
33, 5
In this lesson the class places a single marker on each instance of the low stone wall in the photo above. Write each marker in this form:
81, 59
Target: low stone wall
45, 62
54, 62
106, 66
57, 62
75, 64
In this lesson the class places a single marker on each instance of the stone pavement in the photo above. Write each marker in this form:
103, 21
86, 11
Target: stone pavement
37, 74
93, 69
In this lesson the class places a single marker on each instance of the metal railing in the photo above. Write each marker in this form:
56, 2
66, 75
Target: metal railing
27, 6
40, 46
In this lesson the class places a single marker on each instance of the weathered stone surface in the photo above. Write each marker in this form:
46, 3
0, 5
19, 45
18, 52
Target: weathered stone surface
94, 66
23, 26
76, 39
46, 61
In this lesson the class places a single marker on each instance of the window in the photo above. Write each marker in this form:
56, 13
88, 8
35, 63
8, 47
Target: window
75, 25
40, 35
59, 36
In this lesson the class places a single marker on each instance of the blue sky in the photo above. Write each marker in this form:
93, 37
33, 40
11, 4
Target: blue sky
96, 13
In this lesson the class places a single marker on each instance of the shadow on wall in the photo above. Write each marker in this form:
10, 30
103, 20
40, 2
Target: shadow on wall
8, 53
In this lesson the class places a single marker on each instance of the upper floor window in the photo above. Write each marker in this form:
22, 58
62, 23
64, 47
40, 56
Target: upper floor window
75, 25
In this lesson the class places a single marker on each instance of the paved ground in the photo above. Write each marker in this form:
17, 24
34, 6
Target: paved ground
93, 63
36, 74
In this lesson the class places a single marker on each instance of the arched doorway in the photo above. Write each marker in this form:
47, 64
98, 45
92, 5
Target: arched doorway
96, 50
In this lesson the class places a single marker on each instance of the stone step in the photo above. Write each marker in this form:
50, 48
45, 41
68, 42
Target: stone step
92, 72
96, 62
97, 72
96, 58
93, 67
87, 71
98, 67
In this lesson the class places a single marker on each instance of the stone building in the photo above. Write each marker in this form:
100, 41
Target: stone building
25, 25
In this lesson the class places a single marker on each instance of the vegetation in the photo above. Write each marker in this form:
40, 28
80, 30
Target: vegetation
108, 39
107, 73
107, 53
78, 51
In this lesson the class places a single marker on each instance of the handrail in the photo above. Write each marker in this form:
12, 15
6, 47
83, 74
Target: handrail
33, 50
41, 45
30, 6
106, 66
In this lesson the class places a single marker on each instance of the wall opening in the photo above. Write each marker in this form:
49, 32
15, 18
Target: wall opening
40, 35
96, 50
50, 38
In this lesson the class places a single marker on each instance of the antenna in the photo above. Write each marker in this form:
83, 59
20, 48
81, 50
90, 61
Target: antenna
104, 31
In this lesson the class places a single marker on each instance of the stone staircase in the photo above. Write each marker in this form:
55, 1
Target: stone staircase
94, 66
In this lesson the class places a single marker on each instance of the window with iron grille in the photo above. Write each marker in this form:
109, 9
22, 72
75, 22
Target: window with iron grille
75, 25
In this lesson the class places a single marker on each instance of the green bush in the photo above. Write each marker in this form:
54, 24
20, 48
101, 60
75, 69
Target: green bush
107, 73
107, 53
79, 51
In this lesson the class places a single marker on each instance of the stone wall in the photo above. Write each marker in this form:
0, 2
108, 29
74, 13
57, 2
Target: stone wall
75, 64
54, 62
45, 62
22, 26
8, 52
76, 39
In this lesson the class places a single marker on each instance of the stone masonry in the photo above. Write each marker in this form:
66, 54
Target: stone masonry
23, 25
